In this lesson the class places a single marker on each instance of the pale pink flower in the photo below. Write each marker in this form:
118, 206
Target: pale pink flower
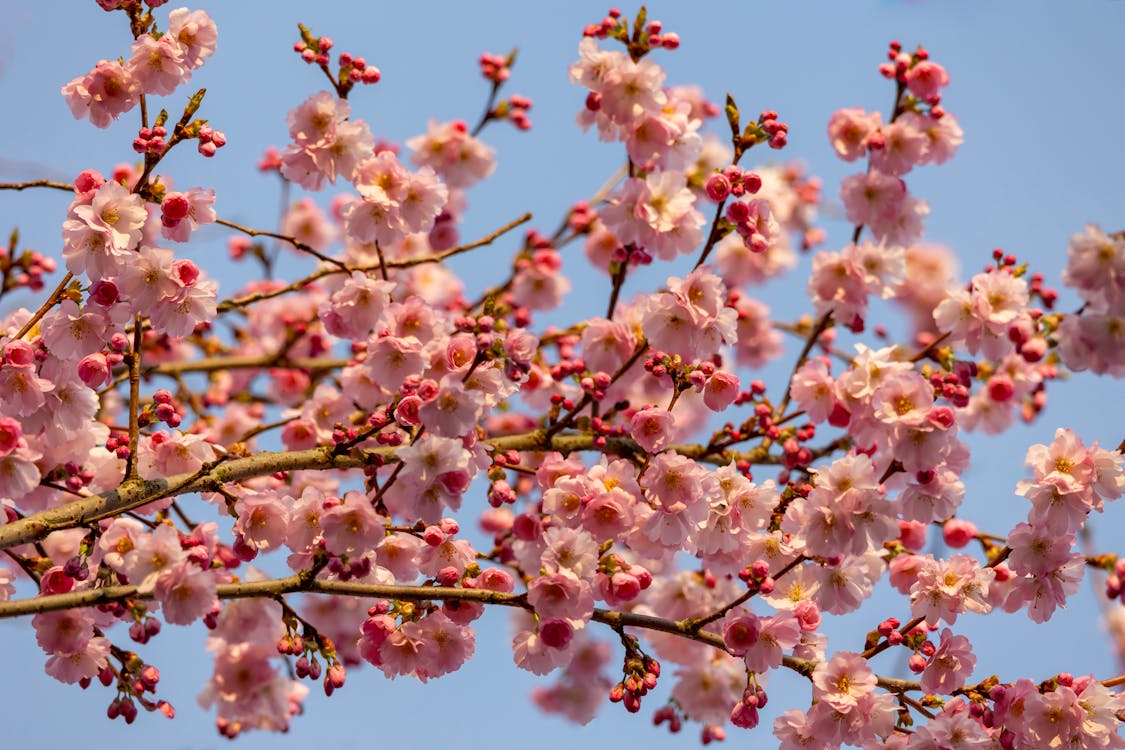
843, 681
103, 94
398, 553
263, 519
756, 340
569, 550
1094, 342
1095, 267
778, 632
844, 587
454, 410
391, 359
849, 129
99, 235
796, 732
903, 399
838, 284
538, 282
561, 595
814, 389
196, 33
353, 310
84, 664
460, 159
452, 553
158, 65
185, 593
19, 473
720, 391
943, 135
950, 666
305, 222
926, 79
446, 646
153, 554
532, 654
657, 213
904, 146
63, 631
870, 196
708, 685
944, 589
10, 434
652, 427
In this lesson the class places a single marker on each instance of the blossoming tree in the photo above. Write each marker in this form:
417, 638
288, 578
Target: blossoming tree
342, 471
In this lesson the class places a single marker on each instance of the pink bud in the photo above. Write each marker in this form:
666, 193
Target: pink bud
93, 370
717, 187
176, 206
958, 532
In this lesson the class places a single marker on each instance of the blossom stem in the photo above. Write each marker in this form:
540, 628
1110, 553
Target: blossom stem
51, 302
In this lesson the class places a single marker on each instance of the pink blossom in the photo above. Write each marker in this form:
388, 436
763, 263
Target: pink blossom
778, 632
103, 94
64, 631
926, 78
457, 157
561, 595
849, 129
871, 196
263, 519
652, 427
455, 410
351, 527
199, 211
446, 646
943, 136
741, 630
185, 593
195, 32
538, 282
84, 664
657, 213
305, 222
353, 310
814, 389
903, 147
843, 681
533, 654
10, 433
721, 390
1095, 267
950, 666
158, 65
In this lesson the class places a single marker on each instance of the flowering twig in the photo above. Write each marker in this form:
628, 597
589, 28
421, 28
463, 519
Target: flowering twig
47, 305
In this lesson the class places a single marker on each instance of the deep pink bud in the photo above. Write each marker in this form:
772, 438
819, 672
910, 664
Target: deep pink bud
93, 370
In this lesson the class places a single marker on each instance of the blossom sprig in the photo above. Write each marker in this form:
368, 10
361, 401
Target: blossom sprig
645, 36
350, 70
497, 69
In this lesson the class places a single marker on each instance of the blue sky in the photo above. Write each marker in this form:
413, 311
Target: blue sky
1036, 87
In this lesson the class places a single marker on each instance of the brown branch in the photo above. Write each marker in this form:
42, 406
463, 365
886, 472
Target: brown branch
231, 304
304, 583
302, 246
36, 184
51, 302
133, 495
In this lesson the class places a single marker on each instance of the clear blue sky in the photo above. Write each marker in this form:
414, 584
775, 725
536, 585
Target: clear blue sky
1036, 87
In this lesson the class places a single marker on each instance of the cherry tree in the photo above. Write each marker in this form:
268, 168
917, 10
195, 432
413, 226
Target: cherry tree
338, 471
